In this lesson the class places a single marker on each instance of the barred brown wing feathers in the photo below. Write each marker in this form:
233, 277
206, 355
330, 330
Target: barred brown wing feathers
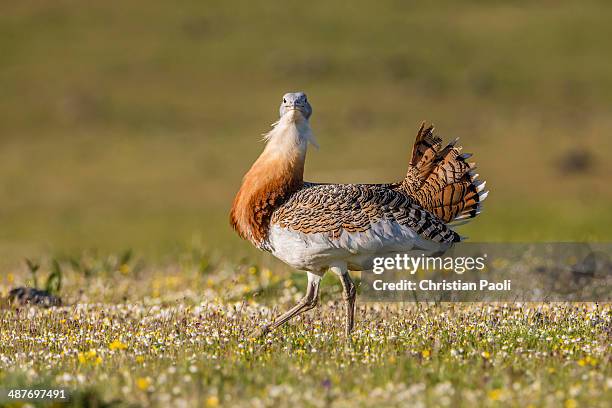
441, 179
425, 146
333, 208
425, 150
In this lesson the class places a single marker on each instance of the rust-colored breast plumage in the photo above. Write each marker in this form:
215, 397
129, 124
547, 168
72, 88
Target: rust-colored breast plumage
261, 193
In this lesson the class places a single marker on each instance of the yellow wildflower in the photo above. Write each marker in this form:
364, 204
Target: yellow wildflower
143, 383
212, 401
117, 345
90, 356
426, 353
570, 403
495, 395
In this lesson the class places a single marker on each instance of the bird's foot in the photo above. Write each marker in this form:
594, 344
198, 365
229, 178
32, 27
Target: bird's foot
260, 332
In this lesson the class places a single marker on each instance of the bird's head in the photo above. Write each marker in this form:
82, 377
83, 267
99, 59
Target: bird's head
295, 101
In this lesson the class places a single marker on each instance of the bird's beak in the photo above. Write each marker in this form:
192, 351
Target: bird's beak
294, 114
298, 108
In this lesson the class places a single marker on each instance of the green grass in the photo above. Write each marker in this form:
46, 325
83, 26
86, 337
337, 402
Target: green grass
182, 336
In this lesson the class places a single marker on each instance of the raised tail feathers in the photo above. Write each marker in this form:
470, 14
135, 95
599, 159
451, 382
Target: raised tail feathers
441, 179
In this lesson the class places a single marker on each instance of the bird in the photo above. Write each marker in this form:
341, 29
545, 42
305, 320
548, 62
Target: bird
32, 296
319, 227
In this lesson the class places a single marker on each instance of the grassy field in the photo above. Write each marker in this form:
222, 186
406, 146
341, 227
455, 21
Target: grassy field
130, 125
137, 334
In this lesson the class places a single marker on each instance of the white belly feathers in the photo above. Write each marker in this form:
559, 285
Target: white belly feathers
315, 252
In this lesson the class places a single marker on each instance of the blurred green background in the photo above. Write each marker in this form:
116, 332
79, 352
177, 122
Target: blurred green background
130, 124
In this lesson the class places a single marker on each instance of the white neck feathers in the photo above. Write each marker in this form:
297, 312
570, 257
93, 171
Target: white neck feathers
277, 173
289, 137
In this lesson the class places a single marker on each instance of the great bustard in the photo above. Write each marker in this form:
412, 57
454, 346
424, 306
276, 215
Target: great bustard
340, 227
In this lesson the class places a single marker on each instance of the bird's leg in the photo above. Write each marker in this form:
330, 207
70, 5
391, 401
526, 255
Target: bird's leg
308, 302
349, 293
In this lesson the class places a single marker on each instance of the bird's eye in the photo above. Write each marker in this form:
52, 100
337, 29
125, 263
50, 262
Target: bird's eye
284, 100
